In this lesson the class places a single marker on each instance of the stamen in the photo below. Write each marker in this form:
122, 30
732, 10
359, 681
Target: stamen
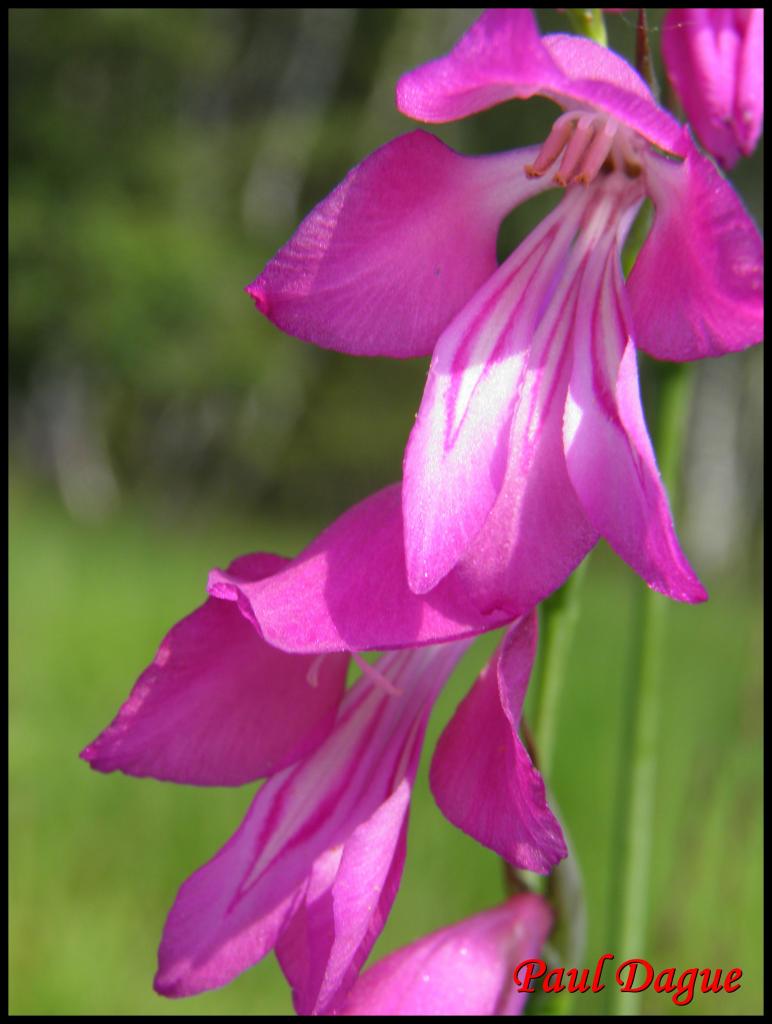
375, 676
312, 676
589, 143
597, 151
561, 132
576, 149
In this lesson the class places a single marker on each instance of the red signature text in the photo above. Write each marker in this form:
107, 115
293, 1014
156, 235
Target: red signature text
631, 976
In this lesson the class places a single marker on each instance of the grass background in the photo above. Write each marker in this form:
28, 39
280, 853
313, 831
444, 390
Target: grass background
96, 860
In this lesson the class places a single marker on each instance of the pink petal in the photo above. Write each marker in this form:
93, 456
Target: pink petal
232, 911
715, 59
703, 82
481, 376
218, 706
482, 777
608, 451
348, 591
598, 78
382, 264
697, 286
325, 944
749, 97
537, 531
502, 57
463, 970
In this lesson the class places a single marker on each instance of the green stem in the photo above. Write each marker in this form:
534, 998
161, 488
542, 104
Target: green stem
557, 621
588, 21
637, 762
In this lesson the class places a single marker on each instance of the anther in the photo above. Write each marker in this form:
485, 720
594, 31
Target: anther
599, 148
590, 143
562, 131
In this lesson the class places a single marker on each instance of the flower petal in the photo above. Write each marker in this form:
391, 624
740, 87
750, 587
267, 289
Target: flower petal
231, 912
481, 775
702, 80
608, 452
749, 99
218, 706
502, 57
328, 939
537, 531
715, 59
465, 969
481, 372
697, 286
348, 591
597, 77
382, 264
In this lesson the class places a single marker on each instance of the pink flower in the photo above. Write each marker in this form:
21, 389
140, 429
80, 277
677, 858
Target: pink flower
530, 442
316, 864
465, 969
218, 706
714, 57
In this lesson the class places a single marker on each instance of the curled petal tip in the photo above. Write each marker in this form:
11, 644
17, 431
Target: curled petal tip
691, 591
88, 754
165, 989
258, 295
94, 756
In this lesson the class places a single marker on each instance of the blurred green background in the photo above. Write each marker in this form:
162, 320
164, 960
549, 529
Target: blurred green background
160, 426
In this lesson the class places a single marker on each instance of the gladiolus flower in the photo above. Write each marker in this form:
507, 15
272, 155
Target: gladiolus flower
465, 969
714, 56
530, 442
316, 864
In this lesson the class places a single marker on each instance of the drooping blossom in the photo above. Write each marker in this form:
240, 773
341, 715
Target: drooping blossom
314, 868
463, 970
530, 442
714, 57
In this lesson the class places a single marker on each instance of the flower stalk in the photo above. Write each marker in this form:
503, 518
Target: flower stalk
558, 616
637, 762
588, 21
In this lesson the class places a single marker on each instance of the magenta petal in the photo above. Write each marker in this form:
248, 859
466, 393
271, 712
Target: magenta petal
481, 775
537, 531
330, 936
463, 970
218, 706
484, 460
480, 377
502, 57
749, 99
382, 264
348, 591
232, 911
715, 59
608, 451
697, 286
600, 79
536, 534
